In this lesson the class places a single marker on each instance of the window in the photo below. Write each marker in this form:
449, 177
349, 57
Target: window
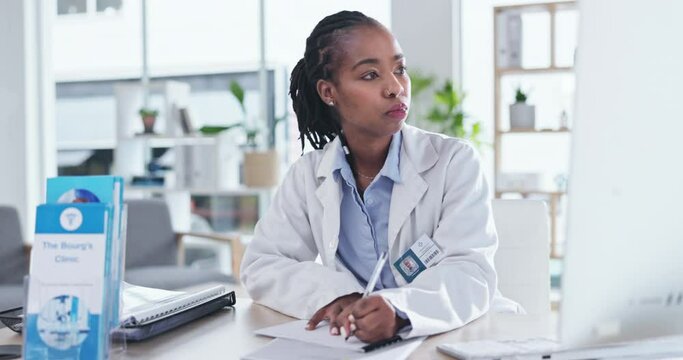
67, 7
71, 7
107, 6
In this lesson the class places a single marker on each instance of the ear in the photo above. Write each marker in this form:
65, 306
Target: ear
326, 91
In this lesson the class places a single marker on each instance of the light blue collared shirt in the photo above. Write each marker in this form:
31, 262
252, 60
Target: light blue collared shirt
365, 222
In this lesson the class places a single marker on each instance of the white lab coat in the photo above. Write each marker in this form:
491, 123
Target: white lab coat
442, 194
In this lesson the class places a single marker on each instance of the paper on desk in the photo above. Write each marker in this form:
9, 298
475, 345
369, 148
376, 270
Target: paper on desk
285, 349
296, 330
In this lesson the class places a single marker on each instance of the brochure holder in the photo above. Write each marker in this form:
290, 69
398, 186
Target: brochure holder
73, 299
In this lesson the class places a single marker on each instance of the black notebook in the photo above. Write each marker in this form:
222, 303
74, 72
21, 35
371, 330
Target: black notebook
148, 312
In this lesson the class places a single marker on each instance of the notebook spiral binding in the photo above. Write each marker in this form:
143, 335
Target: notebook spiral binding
134, 321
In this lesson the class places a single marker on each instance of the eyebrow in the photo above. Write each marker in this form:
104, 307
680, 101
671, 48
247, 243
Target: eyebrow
375, 61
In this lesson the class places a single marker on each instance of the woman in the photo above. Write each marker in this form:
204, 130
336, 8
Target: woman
373, 185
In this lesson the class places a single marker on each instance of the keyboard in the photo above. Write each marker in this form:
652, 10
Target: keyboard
542, 348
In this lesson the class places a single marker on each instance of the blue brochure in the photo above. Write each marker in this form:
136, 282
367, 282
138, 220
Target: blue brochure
99, 189
67, 307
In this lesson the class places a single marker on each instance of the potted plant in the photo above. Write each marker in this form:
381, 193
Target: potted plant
447, 114
522, 115
260, 167
149, 118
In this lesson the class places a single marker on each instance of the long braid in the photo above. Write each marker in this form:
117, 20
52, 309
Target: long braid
318, 122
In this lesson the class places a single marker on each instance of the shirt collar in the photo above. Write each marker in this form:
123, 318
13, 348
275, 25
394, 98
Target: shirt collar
391, 164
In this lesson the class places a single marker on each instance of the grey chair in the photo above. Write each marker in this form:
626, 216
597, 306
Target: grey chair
155, 253
13, 259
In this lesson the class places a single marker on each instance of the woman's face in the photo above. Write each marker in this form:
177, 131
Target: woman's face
371, 88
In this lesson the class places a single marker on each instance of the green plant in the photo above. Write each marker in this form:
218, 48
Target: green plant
250, 132
145, 112
448, 115
419, 83
520, 96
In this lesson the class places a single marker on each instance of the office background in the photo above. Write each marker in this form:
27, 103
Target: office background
62, 60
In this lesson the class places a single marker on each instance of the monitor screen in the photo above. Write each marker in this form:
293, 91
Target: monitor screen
623, 275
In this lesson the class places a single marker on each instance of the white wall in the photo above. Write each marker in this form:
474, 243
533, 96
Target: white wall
27, 149
429, 35
288, 23
190, 36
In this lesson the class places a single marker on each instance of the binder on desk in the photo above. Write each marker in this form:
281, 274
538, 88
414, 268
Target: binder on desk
148, 312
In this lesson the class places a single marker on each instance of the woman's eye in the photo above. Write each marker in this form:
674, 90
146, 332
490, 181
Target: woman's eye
402, 70
370, 76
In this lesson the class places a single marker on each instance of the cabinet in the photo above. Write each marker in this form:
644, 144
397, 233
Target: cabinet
534, 49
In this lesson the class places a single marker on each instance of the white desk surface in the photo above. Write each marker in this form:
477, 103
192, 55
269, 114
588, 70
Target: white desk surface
228, 334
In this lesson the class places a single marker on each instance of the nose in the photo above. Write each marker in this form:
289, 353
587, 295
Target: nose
393, 88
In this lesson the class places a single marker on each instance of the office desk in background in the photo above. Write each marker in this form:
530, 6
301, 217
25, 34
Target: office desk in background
228, 334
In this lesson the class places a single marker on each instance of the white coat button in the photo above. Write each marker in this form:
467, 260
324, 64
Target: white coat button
333, 244
370, 202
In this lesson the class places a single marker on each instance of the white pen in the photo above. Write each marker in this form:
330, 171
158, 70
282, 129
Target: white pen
373, 280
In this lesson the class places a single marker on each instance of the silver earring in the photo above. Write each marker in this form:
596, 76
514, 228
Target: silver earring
331, 103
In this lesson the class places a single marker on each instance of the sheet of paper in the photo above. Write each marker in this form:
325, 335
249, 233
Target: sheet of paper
296, 330
285, 349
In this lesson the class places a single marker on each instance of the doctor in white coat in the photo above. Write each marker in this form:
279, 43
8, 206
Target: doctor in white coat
374, 184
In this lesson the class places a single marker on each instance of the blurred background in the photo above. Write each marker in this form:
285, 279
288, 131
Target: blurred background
187, 100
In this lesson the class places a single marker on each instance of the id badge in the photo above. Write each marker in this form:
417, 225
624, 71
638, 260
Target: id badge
423, 254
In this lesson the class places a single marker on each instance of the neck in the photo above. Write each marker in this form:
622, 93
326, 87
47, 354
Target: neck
369, 154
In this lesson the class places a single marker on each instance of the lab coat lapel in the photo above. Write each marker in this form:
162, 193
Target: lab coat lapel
329, 194
417, 156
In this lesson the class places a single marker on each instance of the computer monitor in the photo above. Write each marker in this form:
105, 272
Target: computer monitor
623, 275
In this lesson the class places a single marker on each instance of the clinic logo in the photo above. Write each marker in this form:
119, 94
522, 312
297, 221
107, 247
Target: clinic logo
71, 219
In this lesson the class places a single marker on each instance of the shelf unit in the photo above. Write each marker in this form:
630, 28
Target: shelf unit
508, 62
197, 161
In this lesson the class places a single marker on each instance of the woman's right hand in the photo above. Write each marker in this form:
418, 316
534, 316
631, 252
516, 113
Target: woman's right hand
331, 311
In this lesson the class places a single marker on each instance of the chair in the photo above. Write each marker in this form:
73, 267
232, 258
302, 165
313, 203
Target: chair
154, 252
522, 260
13, 259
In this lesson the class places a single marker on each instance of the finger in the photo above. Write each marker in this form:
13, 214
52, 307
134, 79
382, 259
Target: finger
316, 319
366, 306
332, 314
343, 321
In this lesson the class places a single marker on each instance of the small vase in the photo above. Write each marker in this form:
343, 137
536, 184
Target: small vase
148, 124
522, 116
261, 168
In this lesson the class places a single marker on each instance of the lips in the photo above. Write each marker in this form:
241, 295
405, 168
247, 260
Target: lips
398, 111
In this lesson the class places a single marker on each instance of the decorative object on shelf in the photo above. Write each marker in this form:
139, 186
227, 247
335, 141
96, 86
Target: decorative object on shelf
561, 182
250, 132
509, 34
149, 118
260, 168
448, 115
522, 115
564, 120
185, 121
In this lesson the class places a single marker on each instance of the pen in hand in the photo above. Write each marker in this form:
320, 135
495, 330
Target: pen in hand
368, 289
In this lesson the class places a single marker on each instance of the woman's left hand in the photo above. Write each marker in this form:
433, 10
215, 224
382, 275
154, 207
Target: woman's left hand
371, 319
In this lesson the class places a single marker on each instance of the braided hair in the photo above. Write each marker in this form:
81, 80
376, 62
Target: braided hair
318, 122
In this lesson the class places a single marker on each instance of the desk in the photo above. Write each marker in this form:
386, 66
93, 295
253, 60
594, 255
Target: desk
228, 334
